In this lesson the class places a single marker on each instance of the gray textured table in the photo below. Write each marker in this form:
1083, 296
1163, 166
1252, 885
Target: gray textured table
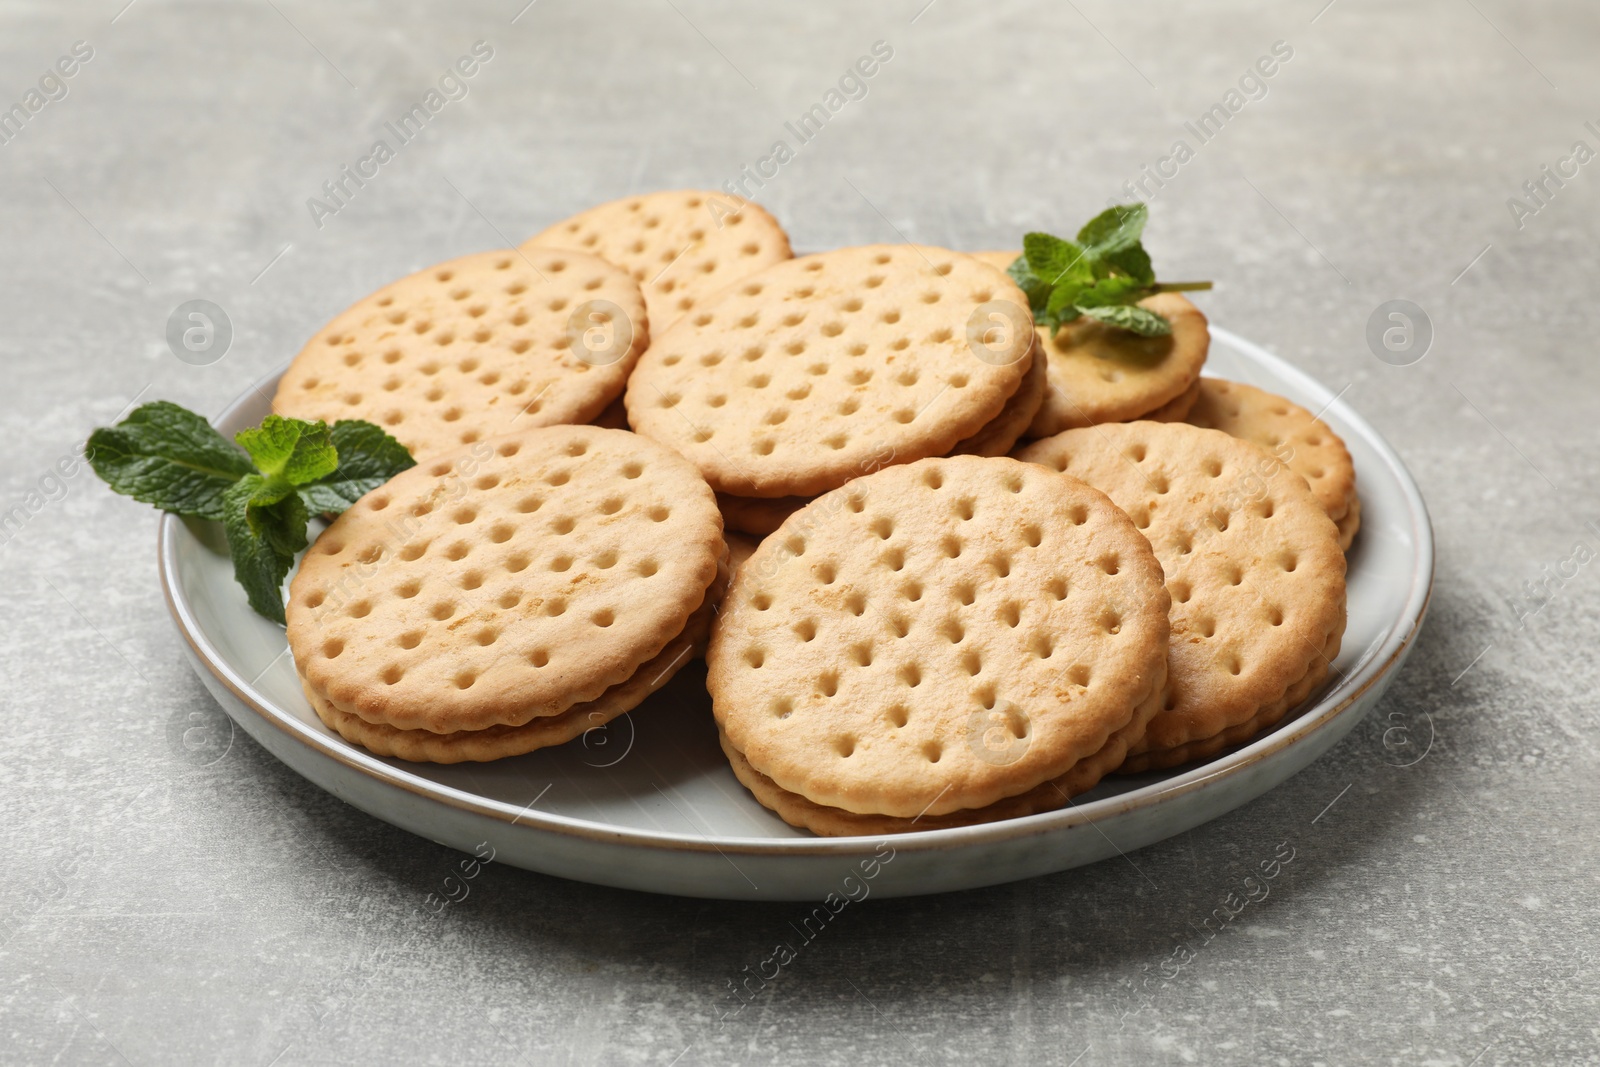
165, 903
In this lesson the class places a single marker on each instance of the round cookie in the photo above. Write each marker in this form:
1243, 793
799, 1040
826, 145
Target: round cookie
1251, 560
511, 579
1001, 433
1265, 719
1102, 374
938, 636
820, 369
1291, 433
475, 347
759, 516
498, 742
681, 246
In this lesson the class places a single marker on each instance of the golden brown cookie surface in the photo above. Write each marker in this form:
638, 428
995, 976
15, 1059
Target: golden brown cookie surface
1251, 560
821, 369
1294, 435
543, 731
475, 347
1177, 408
512, 579
1001, 433
1084, 775
681, 246
938, 636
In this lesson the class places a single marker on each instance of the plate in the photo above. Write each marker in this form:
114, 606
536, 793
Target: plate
649, 803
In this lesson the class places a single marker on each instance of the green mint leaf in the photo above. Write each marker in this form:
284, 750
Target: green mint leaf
1034, 287
1133, 261
1108, 291
1114, 229
282, 523
368, 457
257, 542
269, 491
276, 512
291, 449
1063, 299
1103, 275
1141, 321
1055, 260
165, 455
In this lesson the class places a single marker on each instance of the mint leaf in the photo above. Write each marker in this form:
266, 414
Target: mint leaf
1135, 263
1140, 320
1103, 275
368, 457
276, 513
1055, 260
165, 455
257, 539
1107, 291
1035, 288
1114, 229
1062, 306
283, 524
294, 450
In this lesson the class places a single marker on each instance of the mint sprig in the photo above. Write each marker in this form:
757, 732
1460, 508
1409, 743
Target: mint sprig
264, 496
1103, 274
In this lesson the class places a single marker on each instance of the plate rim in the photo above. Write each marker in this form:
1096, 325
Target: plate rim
1328, 710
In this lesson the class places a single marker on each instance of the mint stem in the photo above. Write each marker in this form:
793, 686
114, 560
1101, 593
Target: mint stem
1180, 287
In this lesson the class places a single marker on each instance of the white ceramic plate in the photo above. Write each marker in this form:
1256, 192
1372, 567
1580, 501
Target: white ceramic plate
649, 802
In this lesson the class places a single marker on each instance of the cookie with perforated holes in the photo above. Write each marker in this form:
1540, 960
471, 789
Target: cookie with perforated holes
1302, 441
1083, 776
823, 368
937, 637
759, 516
681, 246
475, 347
1000, 434
1253, 565
510, 580
543, 731
1099, 373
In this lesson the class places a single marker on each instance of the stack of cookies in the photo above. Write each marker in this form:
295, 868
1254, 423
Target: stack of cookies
508, 595
971, 566
476, 347
1251, 560
939, 643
